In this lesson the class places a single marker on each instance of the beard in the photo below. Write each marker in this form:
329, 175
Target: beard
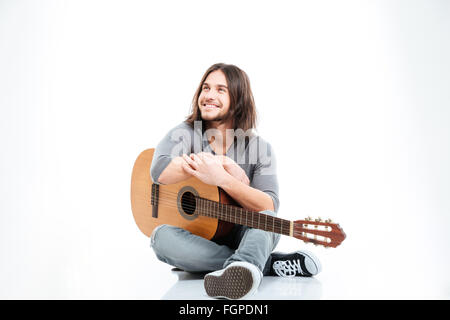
218, 117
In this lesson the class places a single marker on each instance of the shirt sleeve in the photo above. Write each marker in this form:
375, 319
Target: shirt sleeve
264, 173
176, 142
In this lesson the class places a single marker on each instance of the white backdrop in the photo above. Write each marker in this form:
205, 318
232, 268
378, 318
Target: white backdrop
352, 95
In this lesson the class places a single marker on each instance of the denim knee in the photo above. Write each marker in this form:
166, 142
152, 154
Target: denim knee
154, 234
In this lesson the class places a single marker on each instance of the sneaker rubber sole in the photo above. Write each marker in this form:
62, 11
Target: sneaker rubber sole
233, 283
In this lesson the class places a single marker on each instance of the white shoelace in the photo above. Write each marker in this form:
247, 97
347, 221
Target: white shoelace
287, 268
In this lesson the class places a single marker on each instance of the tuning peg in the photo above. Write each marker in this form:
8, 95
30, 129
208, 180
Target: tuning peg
328, 221
319, 219
308, 218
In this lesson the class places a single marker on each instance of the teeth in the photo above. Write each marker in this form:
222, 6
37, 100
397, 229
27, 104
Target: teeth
211, 106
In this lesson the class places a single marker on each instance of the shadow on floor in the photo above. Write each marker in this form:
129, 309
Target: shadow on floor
190, 287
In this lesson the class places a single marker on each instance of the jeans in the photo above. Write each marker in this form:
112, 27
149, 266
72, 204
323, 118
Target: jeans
192, 253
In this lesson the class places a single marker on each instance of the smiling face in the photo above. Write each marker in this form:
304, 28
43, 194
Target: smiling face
224, 98
214, 99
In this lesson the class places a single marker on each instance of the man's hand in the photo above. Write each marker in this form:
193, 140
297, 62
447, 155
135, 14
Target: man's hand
234, 169
206, 167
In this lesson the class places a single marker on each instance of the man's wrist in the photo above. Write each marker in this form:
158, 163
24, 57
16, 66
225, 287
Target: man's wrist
227, 182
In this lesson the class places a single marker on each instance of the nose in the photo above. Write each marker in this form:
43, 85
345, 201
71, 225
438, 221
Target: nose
210, 95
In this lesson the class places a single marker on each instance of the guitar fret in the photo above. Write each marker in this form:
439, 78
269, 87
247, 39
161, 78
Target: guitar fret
213, 208
217, 211
227, 213
201, 205
246, 217
253, 220
209, 207
233, 212
259, 221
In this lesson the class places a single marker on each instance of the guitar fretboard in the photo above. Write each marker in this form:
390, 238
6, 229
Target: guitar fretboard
242, 216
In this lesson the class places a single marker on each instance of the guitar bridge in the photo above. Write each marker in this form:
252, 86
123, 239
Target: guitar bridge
155, 200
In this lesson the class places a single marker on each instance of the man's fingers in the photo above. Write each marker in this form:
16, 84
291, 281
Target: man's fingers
186, 167
190, 161
196, 158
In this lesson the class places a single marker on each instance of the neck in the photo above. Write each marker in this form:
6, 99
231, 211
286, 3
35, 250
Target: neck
219, 125
225, 135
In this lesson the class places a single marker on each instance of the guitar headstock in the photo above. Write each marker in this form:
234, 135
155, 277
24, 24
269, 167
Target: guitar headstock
318, 232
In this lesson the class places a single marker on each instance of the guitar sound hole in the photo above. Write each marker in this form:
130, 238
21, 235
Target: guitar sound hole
188, 203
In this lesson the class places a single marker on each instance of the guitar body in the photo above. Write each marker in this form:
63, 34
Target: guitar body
174, 206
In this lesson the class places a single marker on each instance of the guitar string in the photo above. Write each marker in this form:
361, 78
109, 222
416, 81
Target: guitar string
215, 214
276, 227
277, 223
172, 197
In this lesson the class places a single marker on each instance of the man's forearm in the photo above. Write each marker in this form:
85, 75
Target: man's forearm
248, 197
174, 172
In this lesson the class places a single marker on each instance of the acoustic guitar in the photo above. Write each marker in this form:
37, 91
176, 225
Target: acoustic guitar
209, 212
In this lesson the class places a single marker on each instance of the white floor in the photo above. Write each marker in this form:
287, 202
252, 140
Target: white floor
124, 267
333, 283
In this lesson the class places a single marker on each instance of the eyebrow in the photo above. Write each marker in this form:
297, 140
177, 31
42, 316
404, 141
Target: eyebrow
219, 85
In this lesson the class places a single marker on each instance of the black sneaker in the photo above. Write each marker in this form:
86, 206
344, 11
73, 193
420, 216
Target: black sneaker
298, 263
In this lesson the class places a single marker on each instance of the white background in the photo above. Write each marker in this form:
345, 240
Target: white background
353, 96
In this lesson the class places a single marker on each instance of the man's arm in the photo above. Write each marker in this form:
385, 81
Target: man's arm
174, 172
239, 188
248, 197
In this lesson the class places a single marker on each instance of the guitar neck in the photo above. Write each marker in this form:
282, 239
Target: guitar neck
238, 215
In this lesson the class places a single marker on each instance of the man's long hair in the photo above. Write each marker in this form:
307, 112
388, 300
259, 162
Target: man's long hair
242, 104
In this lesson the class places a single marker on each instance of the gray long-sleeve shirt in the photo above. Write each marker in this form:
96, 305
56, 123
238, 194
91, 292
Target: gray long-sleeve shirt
254, 155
